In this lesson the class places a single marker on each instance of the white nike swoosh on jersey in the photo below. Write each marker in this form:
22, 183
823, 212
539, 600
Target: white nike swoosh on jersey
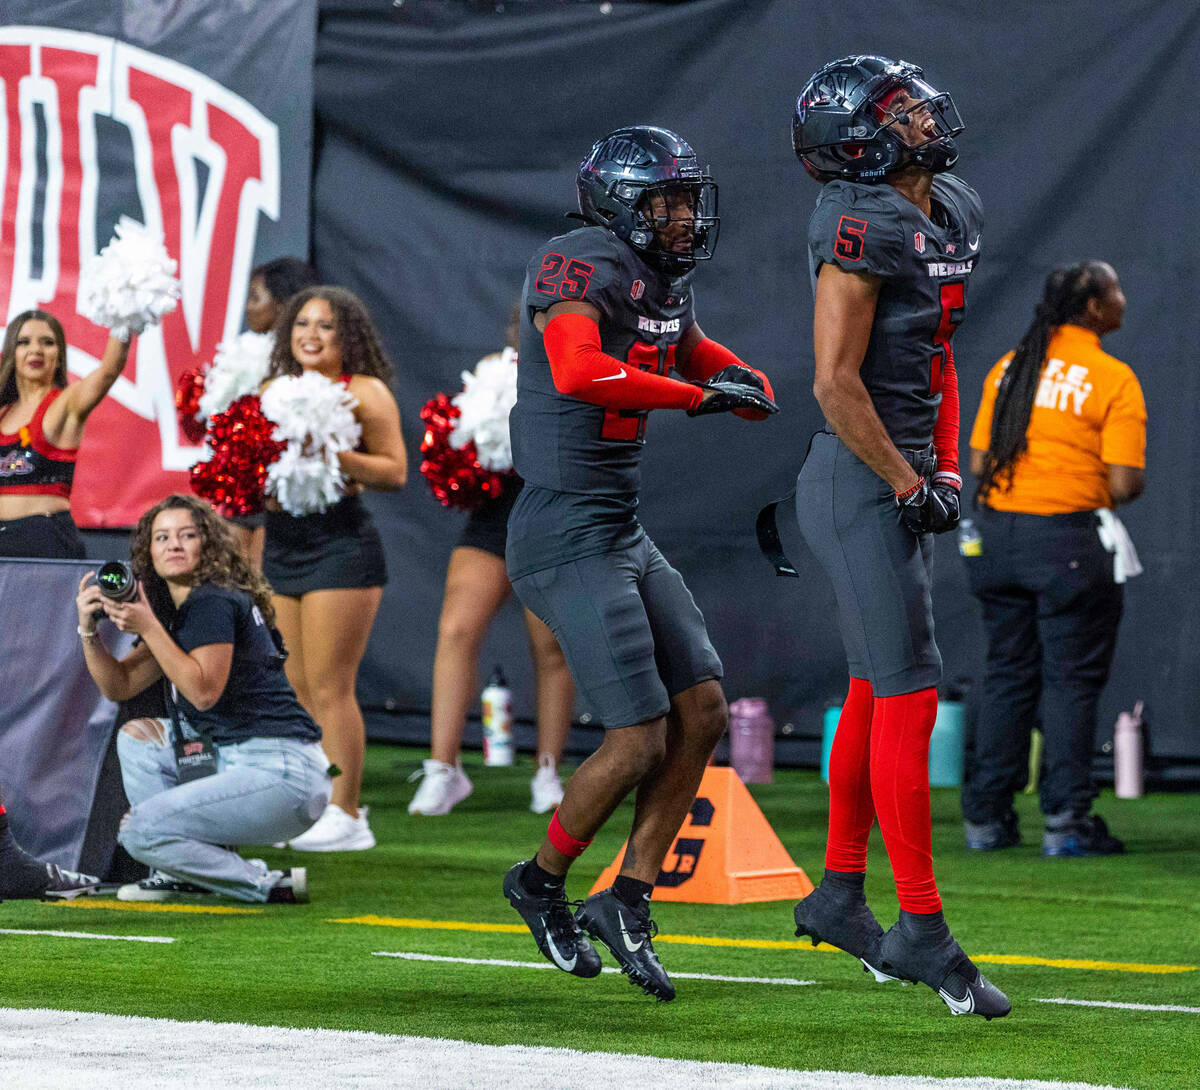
608, 378
959, 1006
974, 243
631, 947
566, 964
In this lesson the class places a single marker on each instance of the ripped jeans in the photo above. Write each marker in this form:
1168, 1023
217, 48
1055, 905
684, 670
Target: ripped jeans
264, 790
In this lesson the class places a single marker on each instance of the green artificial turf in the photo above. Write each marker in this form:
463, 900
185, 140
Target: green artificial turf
292, 966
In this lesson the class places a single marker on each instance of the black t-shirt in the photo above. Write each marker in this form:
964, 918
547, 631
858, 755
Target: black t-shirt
582, 462
924, 264
258, 701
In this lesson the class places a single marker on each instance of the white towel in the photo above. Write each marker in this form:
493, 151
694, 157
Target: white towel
1115, 538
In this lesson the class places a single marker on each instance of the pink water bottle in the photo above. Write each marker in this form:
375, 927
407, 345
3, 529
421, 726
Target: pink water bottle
752, 740
1127, 754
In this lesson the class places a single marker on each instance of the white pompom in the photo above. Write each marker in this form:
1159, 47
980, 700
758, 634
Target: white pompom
238, 368
315, 417
488, 393
131, 283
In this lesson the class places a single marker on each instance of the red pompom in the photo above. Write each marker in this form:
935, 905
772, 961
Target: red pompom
188, 392
233, 480
455, 476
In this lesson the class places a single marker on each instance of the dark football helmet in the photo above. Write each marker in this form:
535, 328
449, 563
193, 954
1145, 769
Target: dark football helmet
865, 117
632, 181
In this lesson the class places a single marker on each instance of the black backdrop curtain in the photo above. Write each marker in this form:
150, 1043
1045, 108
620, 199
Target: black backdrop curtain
447, 145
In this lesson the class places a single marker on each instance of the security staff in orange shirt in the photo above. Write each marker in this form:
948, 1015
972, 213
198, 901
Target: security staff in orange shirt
1060, 435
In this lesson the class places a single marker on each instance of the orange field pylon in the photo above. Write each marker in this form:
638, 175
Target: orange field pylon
726, 852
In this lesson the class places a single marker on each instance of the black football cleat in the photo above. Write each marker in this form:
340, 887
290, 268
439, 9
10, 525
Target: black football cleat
548, 917
24, 878
843, 920
939, 962
627, 933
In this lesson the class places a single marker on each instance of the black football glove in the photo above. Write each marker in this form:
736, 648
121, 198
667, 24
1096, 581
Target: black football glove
727, 396
948, 494
929, 510
735, 372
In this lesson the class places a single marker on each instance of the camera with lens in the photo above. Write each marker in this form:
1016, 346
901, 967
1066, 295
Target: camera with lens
117, 582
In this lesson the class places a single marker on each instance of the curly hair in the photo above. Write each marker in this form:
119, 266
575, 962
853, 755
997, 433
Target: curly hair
8, 354
362, 351
1065, 297
221, 561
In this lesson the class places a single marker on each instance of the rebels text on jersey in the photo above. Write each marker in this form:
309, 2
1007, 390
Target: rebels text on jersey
924, 263
560, 442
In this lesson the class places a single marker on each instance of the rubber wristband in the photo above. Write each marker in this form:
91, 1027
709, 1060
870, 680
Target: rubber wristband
909, 492
564, 841
945, 476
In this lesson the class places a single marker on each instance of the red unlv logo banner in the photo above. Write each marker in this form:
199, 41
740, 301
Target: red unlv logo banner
204, 168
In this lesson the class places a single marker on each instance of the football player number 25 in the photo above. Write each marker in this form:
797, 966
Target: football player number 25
568, 279
953, 300
629, 425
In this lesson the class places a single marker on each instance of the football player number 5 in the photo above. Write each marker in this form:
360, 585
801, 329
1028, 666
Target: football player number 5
849, 244
568, 279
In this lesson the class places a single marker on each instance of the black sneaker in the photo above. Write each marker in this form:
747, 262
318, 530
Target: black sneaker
942, 965
23, 878
160, 887
548, 917
991, 836
627, 933
1079, 837
845, 921
291, 889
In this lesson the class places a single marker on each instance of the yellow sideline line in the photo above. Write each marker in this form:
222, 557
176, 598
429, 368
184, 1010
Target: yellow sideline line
148, 906
1073, 963
769, 944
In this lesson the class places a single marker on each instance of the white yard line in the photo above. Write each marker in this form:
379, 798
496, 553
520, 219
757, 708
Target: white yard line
85, 935
48, 1049
1121, 1006
546, 965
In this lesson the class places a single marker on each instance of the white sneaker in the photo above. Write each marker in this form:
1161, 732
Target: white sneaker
546, 787
442, 788
336, 831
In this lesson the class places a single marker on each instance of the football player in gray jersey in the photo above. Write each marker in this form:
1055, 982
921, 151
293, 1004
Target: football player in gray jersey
607, 316
892, 243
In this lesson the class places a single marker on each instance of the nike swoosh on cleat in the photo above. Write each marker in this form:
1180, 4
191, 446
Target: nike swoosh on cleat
567, 965
959, 1006
609, 378
631, 947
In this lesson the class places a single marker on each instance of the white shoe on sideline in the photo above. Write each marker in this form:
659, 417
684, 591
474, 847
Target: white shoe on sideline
336, 831
545, 787
442, 788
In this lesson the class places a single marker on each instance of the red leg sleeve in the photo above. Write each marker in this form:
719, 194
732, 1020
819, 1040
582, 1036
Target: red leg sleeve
851, 810
900, 730
581, 369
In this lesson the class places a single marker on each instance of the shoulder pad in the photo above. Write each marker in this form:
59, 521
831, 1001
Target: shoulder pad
858, 228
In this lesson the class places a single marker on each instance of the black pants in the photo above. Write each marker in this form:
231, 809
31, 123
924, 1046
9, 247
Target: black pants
1051, 610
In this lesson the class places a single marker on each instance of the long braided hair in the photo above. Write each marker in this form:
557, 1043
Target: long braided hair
1064, 298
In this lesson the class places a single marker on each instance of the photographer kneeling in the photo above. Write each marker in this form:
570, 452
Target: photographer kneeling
239, 761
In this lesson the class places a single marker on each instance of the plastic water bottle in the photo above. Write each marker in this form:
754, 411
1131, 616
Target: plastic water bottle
752, 740
1127, 754
497, 720
970, 541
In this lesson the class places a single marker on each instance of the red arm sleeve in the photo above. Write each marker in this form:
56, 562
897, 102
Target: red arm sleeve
945, 429
580, 369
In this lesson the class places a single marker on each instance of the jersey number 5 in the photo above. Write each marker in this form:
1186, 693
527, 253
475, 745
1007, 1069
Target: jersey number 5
953, 300
567, 279
850, 232
629, 425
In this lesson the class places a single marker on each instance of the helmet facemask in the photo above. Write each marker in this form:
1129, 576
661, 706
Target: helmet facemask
922, 122
675, 223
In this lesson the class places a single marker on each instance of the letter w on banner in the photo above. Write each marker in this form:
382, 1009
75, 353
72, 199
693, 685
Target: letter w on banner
92, 128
